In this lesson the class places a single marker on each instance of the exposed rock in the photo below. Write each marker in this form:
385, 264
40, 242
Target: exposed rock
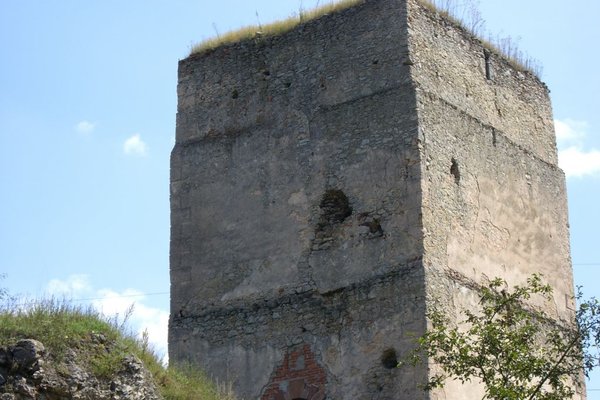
26, 356
28, 371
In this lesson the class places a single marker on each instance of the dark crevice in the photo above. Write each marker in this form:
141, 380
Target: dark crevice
373, 223
389, 358
454, 170
335, 208
488, 64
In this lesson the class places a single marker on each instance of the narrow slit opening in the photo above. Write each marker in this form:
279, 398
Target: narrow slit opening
454, 170
488, 64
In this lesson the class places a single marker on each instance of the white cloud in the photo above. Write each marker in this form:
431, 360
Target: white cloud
578, 163
85, 127
115, 305
134, 145
574, 159
74, 285
570, 130
143, 318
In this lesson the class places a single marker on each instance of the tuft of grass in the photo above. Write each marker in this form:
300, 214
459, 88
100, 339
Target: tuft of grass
255, 32
57, 324
101, 345
187, 383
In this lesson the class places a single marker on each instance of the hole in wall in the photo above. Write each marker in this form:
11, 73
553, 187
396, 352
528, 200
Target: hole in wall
235, 94
322, 83
372, 223
375, 62
389, 358
455, 171
374, 227
335, 207
494, 139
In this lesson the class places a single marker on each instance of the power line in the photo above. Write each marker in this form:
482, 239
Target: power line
121, 296
67, 300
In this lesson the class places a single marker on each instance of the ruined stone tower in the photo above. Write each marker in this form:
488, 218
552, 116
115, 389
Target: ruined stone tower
326, 181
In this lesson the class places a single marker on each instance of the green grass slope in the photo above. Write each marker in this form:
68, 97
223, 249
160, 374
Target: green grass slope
61, 326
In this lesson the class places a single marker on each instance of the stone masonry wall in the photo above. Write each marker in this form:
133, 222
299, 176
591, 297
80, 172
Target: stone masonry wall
295, 207
278, 123
326, 182
449, 63
348, 331
494, 199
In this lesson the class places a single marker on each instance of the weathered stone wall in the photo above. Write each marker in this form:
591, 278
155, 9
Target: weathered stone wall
348, 331
494, 199
265, 129
296, 207
450, 64
326, 181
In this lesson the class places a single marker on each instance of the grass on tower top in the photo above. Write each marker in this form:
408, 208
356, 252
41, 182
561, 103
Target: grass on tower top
272, 29
464, 14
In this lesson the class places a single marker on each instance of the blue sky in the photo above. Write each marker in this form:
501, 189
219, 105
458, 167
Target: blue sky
87, 121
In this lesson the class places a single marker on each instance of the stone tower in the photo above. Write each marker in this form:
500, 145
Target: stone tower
327, 181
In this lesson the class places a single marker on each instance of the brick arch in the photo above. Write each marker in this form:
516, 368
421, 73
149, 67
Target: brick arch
298, 377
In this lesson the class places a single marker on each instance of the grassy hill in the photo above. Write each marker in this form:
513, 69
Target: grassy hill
99, 345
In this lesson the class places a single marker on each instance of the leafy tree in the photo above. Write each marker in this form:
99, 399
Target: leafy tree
518, 353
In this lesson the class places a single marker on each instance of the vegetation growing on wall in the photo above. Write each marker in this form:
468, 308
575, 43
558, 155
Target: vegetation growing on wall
464, 14
274, 28
467, 15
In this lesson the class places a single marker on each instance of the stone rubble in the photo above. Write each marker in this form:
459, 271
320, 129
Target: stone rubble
28, 371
